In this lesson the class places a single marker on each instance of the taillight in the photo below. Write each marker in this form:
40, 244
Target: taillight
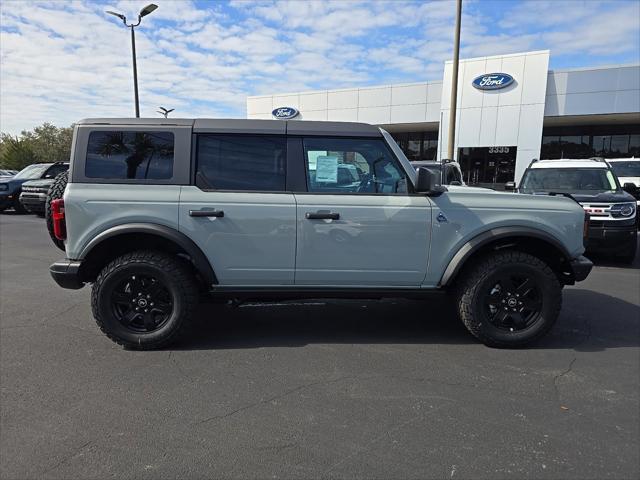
57, 215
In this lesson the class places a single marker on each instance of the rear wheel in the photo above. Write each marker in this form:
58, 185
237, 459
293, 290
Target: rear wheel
509, 299
56, 191
143, 300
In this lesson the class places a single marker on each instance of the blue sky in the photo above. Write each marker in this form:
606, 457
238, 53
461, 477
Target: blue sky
62, 61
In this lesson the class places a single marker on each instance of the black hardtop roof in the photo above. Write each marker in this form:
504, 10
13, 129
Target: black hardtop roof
238, 125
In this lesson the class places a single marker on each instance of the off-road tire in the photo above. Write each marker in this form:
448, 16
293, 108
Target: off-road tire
175, 276
479, 275
56, 191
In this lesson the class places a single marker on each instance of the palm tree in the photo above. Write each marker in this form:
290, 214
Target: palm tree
137, 146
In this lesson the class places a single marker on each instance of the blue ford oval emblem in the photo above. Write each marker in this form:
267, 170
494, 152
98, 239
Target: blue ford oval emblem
492, 81
285, 113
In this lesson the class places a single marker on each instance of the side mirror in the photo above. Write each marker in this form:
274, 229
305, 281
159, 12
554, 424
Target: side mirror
510, 186
630, 188
427, 182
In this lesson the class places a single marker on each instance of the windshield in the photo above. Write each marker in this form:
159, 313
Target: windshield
32, 171
626, 169
568, 180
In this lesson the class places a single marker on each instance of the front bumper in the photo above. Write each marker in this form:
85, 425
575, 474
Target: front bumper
33, 201
66, 273
581, 268
607, 236
6, 200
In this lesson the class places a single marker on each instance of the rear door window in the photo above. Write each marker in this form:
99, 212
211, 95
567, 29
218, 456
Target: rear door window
241, 162
130, 155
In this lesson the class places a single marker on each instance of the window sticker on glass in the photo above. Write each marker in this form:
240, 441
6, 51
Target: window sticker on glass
313, 156
326, 169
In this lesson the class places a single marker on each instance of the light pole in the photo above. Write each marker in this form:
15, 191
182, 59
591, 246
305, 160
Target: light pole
454, 83
143, 13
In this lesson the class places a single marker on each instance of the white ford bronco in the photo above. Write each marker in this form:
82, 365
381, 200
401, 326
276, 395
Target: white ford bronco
158, 213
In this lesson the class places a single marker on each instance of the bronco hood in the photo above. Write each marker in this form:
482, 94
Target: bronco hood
39, 183
603, 197
592, 197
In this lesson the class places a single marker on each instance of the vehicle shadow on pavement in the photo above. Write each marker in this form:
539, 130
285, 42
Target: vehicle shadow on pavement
593, 322
586, 323
608, 261
299, 323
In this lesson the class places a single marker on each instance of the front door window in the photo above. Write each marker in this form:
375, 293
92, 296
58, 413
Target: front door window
353, 166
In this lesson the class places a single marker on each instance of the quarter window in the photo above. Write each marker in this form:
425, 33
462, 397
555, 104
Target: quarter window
241, 162
130, 155
360, 166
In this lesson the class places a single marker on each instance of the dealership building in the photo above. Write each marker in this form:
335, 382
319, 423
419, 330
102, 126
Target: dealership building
510, 110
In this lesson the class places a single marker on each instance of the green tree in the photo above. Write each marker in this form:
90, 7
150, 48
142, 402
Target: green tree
16, 153
45, 143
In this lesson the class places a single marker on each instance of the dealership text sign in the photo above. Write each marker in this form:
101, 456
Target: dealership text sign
492, 81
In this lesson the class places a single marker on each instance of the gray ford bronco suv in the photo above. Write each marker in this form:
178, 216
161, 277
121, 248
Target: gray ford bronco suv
158, 213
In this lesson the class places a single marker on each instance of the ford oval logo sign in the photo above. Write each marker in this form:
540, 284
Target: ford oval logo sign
285, 113
492, 81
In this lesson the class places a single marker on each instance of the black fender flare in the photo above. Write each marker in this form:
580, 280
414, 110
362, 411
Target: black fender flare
468, 249
199, 259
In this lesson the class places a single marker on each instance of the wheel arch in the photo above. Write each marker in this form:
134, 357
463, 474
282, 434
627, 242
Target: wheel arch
121, 239
530, 240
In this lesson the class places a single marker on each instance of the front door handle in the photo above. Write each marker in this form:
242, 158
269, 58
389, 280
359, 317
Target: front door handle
322, 216
206, 213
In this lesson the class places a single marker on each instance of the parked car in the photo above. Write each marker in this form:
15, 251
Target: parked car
592, 183
448, 172
158, 212
11, 188
628, 171
7, 173
34, 192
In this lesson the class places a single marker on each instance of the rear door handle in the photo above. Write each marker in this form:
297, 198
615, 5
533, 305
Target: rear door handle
322, 216
206, 213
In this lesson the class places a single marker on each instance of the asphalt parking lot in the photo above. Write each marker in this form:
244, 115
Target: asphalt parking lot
341, 389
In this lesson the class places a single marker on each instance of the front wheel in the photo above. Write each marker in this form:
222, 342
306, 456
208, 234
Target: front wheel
143, 300
509, 299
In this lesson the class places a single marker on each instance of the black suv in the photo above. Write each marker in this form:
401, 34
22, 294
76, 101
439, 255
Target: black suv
593, 184
447, 171
11, 188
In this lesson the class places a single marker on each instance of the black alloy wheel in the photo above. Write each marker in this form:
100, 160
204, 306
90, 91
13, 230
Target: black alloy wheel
508, 298
513, 302
141, 303
144, 299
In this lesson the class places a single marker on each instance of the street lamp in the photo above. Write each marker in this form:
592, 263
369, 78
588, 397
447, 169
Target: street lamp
143, 13
454, 84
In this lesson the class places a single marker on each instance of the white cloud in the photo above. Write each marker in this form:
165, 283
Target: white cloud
62, 61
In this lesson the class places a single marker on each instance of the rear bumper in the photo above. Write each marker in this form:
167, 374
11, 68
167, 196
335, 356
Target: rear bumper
581, 268
66, 273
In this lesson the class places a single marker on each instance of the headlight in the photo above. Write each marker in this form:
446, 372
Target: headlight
3, 187
623, 210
